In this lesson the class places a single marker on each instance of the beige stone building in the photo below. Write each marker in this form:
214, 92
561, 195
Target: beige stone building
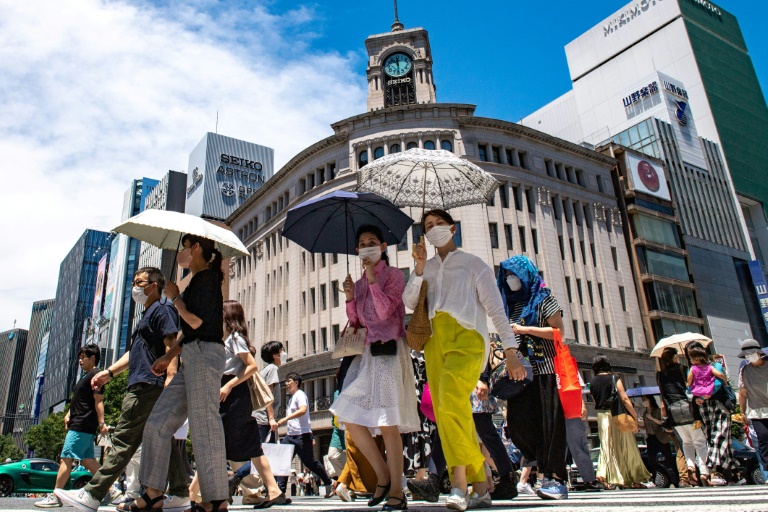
556, 204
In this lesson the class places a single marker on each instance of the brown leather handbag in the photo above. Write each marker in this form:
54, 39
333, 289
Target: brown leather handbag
261, 395
419, 328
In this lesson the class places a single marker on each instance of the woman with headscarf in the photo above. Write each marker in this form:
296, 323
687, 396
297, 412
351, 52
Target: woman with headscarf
535, 417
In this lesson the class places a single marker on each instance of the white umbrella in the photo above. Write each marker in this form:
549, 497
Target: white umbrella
428, 179
679, 342
164, 229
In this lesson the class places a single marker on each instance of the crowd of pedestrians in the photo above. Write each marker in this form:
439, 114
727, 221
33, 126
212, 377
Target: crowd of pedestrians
396, 410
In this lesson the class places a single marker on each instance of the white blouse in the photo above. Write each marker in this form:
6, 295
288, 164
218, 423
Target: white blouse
235, 345
464, 287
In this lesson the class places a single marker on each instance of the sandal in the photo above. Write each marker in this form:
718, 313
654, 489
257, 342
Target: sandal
378, 499
402, 505
196, 507
280, 499
148, 504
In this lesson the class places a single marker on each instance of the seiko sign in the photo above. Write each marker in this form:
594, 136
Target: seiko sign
396, 81
626, 16
228, 159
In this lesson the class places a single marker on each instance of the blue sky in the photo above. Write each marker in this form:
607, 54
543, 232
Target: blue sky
95, 93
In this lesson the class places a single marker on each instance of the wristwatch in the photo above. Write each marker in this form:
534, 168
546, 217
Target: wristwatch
111, 375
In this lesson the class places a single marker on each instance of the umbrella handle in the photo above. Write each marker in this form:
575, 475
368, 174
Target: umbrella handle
173, 265
421, 241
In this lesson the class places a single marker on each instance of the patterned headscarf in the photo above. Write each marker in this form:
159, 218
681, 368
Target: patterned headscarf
532, 293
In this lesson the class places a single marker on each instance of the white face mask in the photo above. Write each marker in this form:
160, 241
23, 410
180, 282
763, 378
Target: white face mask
137, 293
439, 235
752, 358
370, 252
514, 283
283, 357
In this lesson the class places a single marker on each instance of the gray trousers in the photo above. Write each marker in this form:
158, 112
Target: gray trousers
193, 393
576, 437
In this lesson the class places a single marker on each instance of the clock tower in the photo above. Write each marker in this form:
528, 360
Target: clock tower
399, 68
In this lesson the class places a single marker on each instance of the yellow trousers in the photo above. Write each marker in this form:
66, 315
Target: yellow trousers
454, 360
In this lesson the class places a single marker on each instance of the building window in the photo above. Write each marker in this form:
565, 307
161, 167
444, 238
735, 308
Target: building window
516, 193
578, 290
312, 300
313, 335
323, 302
446, 145
608, 335
631, 338
583, 252
336, 333
670, 298
597, 335
510, 158
656, 230
535, 241
508, 235
573, 249
411, 145
503, 196
594, 254
566, 211
580, 178
416, 232
496, 153
576, 332
587, 216
334, 257
303, 303
304, 343
493, 229
623, 297
550, 167
600, 294
403, 244
394, 148
362, 159
378, 153
586, 332
521, 234
523, 156
577, 215
615, 256
324, 338
557, 209
600, 185
429, 144
482, 151
457, 234
661, 264
322, 260
406, 273
589, 292
561, 243
568, 289
530, 197
335, 293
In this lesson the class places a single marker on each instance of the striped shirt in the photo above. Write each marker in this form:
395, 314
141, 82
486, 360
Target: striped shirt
549, 307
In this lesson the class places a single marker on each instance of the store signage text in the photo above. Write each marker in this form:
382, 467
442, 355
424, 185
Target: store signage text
228, 189
674, 89
641, 94
242, 162
628, 15
396, 81
708, 6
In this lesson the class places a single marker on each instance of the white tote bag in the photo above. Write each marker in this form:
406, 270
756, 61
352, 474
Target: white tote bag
280, 457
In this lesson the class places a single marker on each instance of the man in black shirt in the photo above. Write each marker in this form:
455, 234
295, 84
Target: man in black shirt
156, 331
84, 418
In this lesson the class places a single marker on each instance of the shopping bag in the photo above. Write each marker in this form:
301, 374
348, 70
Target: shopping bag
351, 342
567, 373
261, 395
280, 457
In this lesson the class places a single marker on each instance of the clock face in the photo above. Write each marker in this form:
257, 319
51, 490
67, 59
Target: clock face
397, 65
648, 176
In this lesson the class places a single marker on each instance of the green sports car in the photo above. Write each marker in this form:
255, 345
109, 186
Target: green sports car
36, 475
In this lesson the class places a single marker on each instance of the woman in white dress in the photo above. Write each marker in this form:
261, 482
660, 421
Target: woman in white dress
378, 396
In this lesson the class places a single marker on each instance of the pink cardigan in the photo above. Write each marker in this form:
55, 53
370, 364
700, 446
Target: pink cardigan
379, 307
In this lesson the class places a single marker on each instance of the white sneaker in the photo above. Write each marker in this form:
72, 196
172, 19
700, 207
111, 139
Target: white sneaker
716, 480
343, 493
50, 501
457, 500
525, 489
80, 499
176, 503
112, 495
476, 501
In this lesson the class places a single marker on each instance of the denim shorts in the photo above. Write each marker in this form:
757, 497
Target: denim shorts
78, 445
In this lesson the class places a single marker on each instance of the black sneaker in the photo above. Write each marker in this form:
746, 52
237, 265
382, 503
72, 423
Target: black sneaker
233, 483
505, 490
593, 486
424, 489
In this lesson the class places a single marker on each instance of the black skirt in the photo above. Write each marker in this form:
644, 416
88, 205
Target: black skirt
241, 432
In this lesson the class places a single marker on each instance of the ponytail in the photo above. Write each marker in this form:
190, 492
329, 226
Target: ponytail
215, 263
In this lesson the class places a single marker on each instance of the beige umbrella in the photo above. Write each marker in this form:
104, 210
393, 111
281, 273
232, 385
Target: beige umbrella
164, 229
679, 342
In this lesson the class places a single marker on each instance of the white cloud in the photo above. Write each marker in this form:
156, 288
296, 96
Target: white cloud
94, 94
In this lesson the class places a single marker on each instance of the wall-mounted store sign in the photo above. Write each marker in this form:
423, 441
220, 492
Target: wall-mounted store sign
647, 177
641, 94
197, 177
761, 288
675, 89
228, 189
628, 15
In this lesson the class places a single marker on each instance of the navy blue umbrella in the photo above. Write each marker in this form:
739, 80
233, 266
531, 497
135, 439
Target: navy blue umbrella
329, 223
643, 390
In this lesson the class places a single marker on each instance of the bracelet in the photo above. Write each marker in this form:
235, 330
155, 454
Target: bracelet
111, 375
173, 301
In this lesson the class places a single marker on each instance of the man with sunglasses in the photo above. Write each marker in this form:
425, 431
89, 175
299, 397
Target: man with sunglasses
156, 331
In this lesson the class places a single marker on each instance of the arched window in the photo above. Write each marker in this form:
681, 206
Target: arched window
378, 153
429, 144
411, 145
446, 145
394, 148
362, 159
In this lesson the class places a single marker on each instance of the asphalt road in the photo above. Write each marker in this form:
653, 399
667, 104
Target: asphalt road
721, 499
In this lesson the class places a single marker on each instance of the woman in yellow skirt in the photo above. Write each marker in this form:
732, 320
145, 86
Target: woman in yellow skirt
620, 462
461, 292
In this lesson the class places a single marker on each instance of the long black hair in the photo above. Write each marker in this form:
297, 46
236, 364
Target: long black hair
375, 231
210, 253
